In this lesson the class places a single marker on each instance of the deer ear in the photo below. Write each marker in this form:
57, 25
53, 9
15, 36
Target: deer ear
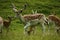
54, 13
33, 11
36, 11
13, 5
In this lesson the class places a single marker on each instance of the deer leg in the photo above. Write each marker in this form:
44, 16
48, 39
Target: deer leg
30, 30
0, 30
43, 27
25, 27
1, 27
33, 29
48, 27
7, 30
58, 30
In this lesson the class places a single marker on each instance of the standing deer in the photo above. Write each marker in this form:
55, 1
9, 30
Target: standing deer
6, 23
1, 24
31, 20
56, 20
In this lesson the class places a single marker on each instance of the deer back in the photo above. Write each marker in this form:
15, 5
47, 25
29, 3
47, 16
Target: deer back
55, 19
32, 17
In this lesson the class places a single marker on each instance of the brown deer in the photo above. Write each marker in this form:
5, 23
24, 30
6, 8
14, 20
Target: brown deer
56, 20
6, 23
31, 19
1, 24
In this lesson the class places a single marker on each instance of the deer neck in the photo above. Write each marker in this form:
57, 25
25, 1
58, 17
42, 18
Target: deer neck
22, 19
9, 20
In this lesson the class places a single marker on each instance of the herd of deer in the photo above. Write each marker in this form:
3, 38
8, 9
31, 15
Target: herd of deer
31, 20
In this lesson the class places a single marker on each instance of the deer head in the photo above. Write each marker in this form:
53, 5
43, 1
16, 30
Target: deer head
53, 13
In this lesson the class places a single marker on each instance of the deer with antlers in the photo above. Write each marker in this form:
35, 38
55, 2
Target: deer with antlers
31, 20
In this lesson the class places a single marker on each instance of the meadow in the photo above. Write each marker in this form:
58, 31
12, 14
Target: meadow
16, 31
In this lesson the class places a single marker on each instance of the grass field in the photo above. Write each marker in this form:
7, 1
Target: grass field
16, 27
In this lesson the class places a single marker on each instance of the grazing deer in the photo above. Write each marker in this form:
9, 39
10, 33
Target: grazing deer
6, 23
31, 19
1, 24
56, 20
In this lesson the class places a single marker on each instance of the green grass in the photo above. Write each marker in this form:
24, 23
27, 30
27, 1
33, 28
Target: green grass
16, 27
16, 33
